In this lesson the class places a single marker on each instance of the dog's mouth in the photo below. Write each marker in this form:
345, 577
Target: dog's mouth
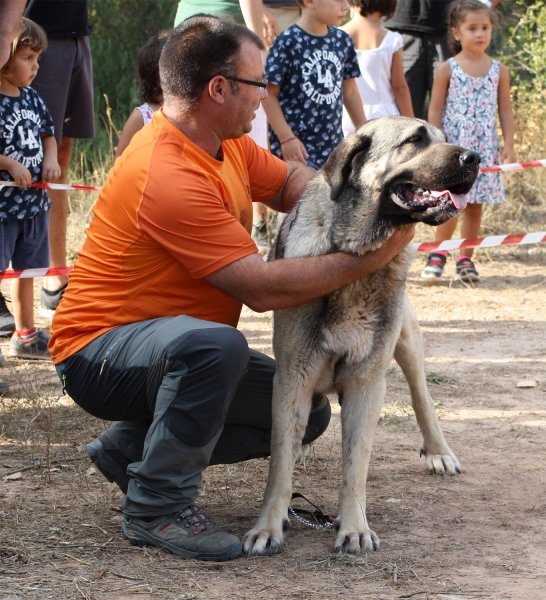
419, 199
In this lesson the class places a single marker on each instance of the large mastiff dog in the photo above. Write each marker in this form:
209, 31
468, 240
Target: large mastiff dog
393, 171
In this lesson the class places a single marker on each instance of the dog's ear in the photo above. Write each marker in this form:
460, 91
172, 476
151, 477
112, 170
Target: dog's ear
338, 167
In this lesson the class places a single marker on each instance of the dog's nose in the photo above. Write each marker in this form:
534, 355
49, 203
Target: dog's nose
470, 158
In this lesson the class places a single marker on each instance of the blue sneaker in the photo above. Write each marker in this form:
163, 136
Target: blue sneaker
36, 349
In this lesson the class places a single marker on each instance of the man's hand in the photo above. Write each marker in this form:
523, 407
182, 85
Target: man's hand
21, 175
395, 243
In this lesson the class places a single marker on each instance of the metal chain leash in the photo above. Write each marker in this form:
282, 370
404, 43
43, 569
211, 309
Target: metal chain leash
308, 523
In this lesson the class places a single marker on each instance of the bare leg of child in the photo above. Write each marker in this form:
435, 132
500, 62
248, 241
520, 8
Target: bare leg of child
470, 227
22, 300
446, 230
27, 341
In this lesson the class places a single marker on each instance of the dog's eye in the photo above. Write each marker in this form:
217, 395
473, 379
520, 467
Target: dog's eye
414, 139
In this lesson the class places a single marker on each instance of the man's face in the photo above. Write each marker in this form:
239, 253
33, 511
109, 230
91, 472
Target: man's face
242, 106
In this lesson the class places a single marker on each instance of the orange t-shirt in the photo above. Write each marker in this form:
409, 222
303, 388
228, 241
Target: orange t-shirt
168, 215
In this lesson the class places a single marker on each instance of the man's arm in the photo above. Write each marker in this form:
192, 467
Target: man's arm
11, 12
297, 178
289, 282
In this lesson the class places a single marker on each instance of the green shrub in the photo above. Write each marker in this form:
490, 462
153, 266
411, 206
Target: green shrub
120, 28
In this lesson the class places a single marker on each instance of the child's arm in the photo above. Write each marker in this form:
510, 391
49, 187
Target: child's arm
134, 123
439, 94
270, 26
21, 175
506, 116
353, 102
292, 148
399, 85
252, 14
50, 167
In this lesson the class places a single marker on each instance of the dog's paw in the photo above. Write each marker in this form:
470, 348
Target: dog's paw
442, 464
353, 542
260, 542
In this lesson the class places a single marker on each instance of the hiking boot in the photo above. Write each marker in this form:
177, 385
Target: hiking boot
4, 389
109, 461
434, 268
50, 300
35, 349
466, 271
188, 533
261, 236
7, 324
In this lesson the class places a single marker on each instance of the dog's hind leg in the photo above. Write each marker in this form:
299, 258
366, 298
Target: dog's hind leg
362, 398
409, 354
291, 407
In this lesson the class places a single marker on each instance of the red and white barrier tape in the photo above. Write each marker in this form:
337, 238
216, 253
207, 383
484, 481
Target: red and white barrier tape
91, 188
43, 185
29, 273
486, 242
514, 166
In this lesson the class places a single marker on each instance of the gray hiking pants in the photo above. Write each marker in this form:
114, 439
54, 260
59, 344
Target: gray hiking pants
187, 393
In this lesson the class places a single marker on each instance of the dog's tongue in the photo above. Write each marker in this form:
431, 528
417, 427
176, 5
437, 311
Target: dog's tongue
458, 199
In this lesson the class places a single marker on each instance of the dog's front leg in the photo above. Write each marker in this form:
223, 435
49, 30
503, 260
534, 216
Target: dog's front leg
410, 355
291, 407
362, 401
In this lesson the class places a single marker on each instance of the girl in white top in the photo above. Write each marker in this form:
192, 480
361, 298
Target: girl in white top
382, 86
150, 89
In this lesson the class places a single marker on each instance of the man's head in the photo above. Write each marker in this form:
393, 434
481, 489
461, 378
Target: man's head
199, 49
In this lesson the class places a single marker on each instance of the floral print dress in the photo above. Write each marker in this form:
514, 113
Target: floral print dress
470, 120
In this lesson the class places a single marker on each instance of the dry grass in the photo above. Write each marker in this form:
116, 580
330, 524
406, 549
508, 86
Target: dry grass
466, 537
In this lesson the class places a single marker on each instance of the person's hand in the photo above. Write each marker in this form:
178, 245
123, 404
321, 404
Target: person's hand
400, 238
21, 175
270, 25
50, 170
375, 260
508, 155
294, 150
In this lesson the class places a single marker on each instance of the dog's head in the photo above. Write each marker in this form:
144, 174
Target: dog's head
400, 170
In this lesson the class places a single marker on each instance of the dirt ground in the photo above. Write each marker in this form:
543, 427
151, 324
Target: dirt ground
477, 535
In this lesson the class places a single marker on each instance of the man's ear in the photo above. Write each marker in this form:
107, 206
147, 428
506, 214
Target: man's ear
337, 169
217, 89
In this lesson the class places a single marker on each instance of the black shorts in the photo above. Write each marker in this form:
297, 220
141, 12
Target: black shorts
65, 83
25, 243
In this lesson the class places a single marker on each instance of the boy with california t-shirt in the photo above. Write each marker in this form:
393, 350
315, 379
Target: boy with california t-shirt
311, 70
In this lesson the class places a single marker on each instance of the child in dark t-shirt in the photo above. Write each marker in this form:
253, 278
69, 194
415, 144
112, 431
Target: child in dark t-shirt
311, 70
28, 153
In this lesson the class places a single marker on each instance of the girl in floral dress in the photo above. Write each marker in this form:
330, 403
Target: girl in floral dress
467, 92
